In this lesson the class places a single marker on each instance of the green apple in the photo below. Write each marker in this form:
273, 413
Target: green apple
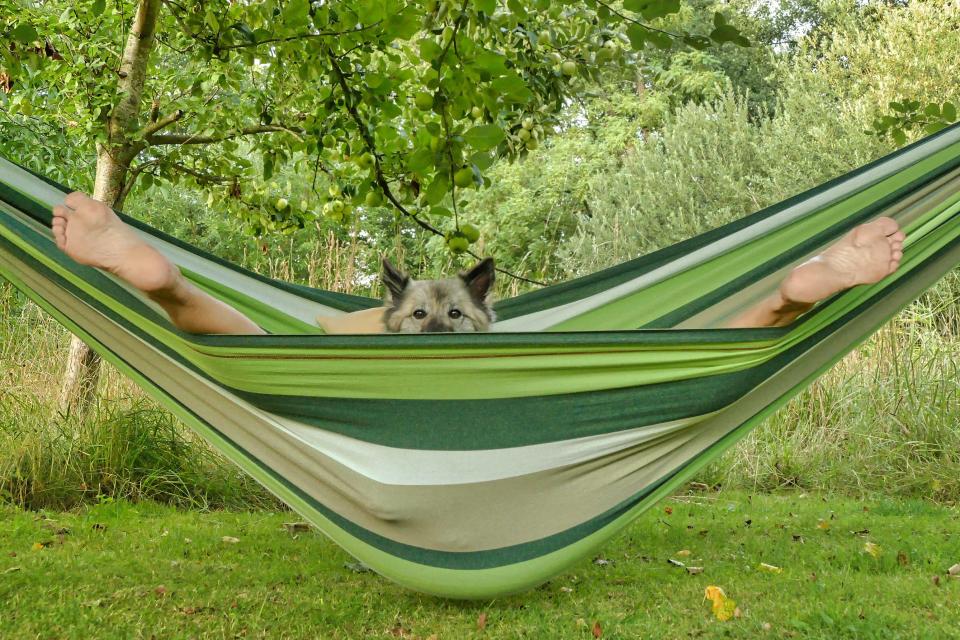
527, 123
458, 243
524, 134
476, 112
470, 232
463, 177
334, 190
329, 140
282, 204
373, 199
424, 101
569, 68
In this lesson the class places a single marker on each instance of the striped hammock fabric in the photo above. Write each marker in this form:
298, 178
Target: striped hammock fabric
473, 465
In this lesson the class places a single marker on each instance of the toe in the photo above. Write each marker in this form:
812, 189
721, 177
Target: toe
899, 236
62, 212
888, 226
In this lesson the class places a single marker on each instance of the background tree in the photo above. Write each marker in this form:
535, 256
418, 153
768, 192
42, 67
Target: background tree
399, 101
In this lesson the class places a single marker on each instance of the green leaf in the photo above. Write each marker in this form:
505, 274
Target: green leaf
932, 110
98, 7
429, 49
637, 35
484, 137
297, 13
697, 42
899, 136
420, 161
438, 188
442, 212
486, 6
512, 88
933, 127
491, 62
660, 40
24, 33
949, 112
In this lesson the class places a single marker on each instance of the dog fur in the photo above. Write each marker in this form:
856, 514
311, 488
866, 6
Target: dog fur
460, 304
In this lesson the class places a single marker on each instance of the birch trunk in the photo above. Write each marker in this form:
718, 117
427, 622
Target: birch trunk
113, 164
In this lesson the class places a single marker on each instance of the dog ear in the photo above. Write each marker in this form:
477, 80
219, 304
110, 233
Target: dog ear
394, 279
479, 279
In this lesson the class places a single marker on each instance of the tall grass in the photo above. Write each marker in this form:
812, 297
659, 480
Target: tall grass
126, 446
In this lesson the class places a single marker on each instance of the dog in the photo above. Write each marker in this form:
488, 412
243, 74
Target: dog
459, 304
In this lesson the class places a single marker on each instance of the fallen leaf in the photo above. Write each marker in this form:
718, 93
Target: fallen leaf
482, 621
798, 538
11, 570
294, 527
566, 589
723, 607
675, 563
597, 631
873, 549
954, 570
601, 562
763, 566
694, 570
40, 546
160, 590
230, 539
862, 532
12, 554
936, 581
766, 626
823, 525
683, 553
668, 510
902, 558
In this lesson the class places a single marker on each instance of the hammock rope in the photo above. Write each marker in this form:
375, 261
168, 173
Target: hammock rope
473, 465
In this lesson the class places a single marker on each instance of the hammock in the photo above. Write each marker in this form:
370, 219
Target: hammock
473, 465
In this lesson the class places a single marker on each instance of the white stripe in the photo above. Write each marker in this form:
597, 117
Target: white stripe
417, 467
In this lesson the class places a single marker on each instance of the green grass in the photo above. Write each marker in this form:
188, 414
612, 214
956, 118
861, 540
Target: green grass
139, 571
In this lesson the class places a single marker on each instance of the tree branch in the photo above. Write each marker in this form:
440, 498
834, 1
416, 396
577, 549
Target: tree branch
161, 123
193, 138
301, 36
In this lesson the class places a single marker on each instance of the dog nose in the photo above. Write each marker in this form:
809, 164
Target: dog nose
435, 327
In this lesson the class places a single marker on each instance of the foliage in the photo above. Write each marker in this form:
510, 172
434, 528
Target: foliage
398, 101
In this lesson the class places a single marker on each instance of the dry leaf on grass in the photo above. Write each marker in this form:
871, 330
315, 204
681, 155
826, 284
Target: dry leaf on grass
11, 570
872, 549
597, 631
294, 527
763, 566
954, 570
230, 539
723, 607
902, 558
482, 621
683, 553
694, 570
823, 525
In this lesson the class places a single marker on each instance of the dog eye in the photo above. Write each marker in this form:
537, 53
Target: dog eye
454, 313
419, 314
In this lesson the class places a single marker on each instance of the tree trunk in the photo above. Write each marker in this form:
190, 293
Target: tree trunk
113, 164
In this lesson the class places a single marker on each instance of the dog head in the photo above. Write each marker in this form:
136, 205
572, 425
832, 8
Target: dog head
458, 304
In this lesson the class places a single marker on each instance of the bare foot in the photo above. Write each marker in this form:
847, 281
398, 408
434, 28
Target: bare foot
869, 253
91, 233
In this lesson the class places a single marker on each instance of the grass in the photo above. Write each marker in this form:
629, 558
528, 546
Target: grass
122, 570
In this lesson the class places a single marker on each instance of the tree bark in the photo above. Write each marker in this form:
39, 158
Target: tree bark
113, 163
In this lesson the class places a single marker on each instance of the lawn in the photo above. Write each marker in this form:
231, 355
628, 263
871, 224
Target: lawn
839, 568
